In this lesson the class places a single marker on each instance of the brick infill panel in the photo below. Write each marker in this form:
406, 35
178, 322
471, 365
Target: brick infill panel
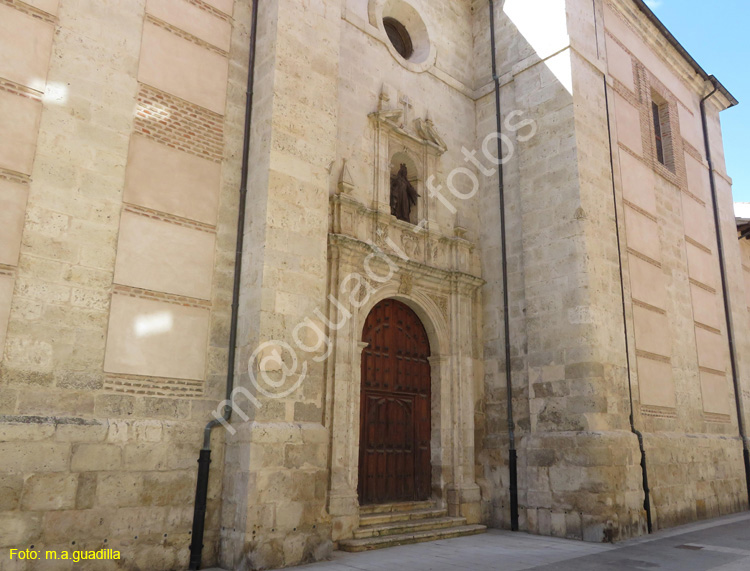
691, 195
698, 245
718, 418
182, 300
658, 411
184, 35
649, 307
705, 327
170, 218
693, 152
712, 371
31, 11
21, 90
644, 257
208, 8
179, 124
640, 210
13, 176
6, 270
701, 285
652, 356
153, 386
624, 91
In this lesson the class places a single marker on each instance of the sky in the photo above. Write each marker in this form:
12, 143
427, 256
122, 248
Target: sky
717, 35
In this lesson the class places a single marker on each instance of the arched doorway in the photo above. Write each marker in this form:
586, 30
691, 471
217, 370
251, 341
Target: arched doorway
395, 403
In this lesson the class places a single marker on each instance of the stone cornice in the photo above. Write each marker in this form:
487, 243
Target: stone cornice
464, 281
385, 117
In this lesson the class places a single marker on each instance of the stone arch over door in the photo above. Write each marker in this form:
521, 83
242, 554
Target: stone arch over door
453, 484
395, 407
436, 325
373, 256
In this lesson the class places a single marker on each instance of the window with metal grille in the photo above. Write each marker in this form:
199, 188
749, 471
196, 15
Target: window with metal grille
657, 114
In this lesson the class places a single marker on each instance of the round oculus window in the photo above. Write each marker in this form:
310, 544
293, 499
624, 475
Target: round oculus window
399, 37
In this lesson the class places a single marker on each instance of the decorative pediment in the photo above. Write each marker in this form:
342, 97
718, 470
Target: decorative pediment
395, 118
426, 130
406, 150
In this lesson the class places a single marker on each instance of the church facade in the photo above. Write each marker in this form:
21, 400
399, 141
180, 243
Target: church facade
469, 256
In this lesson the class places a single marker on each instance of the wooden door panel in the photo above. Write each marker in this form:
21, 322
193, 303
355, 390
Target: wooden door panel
395, 407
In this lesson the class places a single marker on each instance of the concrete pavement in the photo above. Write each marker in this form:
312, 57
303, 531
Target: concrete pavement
721, 544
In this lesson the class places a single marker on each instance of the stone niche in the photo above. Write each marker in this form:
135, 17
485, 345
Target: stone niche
374, 256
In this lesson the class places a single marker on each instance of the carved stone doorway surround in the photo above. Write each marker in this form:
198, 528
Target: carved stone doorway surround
438, 280
434, 270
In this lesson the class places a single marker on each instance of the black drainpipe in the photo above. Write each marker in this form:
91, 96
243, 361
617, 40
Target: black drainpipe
512, 454
204, 460
641, 447
724, 286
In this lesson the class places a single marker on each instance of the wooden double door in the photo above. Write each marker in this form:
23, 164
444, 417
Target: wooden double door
394, 447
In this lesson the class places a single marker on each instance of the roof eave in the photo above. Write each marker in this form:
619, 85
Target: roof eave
732, 101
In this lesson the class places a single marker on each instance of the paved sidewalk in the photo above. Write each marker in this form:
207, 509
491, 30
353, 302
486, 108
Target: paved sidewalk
717, 545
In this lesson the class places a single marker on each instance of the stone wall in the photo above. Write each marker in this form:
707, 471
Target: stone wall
119, 178
116, 272
682, 375
568, 375
275, 486
576, 452
316, 125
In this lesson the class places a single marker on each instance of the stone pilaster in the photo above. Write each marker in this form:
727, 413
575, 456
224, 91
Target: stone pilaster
275, 511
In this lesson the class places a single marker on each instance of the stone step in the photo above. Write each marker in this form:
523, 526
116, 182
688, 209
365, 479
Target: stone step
405, 527
371, 543
397, 507
389, 517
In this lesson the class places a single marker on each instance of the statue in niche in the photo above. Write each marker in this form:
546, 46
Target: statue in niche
403, 195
